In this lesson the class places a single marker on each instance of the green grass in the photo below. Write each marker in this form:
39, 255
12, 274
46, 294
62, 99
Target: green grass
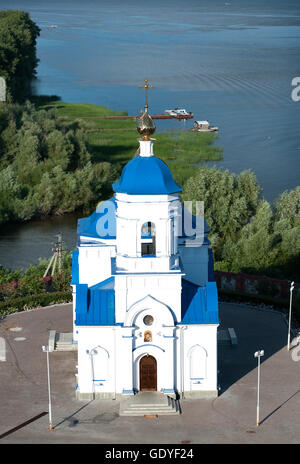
116, 141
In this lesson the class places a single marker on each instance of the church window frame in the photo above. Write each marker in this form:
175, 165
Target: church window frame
148, 239
148, 320
198, 362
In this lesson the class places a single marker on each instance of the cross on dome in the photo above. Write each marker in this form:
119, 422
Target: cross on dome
146, 86
145, 125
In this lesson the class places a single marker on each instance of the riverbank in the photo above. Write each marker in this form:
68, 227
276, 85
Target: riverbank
76, 157
116, 141
60, 158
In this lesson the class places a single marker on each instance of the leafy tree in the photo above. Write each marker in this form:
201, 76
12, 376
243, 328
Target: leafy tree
247, 234
229, 201
254, 247
46, 166
18, 61
287, 206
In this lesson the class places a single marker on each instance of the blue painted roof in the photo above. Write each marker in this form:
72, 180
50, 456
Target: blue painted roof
75, 267
211, 267
199, 305
146, 176
101, 223
95, 305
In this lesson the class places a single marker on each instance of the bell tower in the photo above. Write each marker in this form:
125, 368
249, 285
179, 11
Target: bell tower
148, 205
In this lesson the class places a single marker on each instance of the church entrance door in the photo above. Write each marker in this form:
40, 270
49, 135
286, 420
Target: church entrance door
148, 373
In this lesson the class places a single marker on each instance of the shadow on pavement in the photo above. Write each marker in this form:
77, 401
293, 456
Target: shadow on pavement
256, 329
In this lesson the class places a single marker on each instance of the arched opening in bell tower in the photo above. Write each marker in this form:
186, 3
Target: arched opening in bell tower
148, 242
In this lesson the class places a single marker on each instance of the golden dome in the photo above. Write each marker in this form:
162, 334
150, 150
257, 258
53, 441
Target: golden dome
145, 125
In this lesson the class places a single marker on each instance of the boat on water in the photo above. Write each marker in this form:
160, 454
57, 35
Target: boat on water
204, 126
178, 111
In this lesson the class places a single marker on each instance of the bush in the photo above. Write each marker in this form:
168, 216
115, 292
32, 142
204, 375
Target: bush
45, 166
13, 305
277, 303
264, 287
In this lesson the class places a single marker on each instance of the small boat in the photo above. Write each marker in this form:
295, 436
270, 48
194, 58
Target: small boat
203, 126
178, 111
53, 26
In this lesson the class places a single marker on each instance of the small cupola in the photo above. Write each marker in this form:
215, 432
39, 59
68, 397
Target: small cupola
146, 174
145, 125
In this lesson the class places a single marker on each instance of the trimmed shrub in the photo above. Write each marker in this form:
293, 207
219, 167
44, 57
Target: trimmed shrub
13, 305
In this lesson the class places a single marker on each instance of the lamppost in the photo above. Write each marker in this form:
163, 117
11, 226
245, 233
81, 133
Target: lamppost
257, 355
48, 350
290, 313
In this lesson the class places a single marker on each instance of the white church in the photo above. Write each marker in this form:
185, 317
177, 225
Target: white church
145, 302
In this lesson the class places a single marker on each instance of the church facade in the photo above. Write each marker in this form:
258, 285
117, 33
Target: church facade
145, 302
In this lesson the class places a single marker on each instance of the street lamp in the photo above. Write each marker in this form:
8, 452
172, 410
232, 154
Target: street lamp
257, 355
290, 313
48, 350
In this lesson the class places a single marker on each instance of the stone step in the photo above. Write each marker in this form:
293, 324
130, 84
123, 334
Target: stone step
150, 406
148, 413
149, 403
227, 337
145, 412
62, 341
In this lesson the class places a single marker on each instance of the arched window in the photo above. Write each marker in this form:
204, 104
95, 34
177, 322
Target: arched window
198, 361
148, 239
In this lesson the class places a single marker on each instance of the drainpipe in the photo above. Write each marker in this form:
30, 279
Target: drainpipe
115, 364
91, 353
182, 360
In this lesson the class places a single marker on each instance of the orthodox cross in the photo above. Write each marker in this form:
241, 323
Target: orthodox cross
146, 86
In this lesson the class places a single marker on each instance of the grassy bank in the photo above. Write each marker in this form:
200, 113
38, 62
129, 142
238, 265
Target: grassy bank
116, 141
58, 158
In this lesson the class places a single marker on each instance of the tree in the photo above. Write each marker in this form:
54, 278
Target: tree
18, 60
46, 166
254, 250
230, 201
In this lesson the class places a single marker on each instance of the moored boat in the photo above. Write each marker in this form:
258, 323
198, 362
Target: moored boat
178, 112
204, 126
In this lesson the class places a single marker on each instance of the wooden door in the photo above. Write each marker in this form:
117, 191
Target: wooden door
148, 374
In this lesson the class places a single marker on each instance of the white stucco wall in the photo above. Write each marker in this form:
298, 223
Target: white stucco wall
181, 354
130, 289
132, 212
95, 263
198, 345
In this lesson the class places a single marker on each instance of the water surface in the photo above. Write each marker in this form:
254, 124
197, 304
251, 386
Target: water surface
229, 62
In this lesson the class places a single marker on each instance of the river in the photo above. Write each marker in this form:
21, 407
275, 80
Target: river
229, 62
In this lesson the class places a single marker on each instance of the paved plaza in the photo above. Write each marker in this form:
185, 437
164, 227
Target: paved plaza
230, 418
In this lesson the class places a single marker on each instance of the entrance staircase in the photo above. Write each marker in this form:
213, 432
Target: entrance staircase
149, 404
61, 341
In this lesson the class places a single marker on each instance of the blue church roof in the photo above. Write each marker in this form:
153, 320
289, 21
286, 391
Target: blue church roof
101, 223
199, 305
75, 267
95, 305
146, 176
